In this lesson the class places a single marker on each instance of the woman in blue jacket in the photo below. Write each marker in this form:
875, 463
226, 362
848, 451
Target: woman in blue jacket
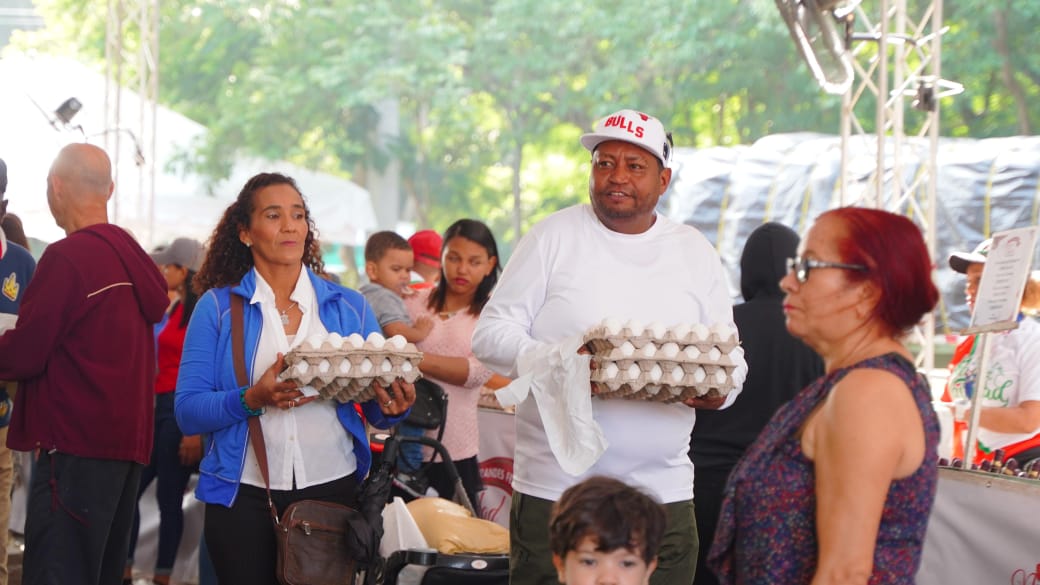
265, 250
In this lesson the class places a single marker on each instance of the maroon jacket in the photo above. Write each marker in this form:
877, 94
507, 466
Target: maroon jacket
83, 349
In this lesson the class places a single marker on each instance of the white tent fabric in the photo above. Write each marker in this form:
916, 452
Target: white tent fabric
182, 206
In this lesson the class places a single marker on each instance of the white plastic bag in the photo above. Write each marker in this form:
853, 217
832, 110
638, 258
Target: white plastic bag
400, 532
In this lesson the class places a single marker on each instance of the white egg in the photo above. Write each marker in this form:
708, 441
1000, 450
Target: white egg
699, 375
633, 371
724, 331
700, 332
669, 350
386, 366
324, 366
649, 350
680, 331
627, 349
656, 373
691, 352
397, 342
657, 329
720, 376
366, 366
314, 341
355, 340
344, 367
376, 340
301, 368
612, 325
635, 326
610, 371
677, 375
335, 339
406, 367
714, 354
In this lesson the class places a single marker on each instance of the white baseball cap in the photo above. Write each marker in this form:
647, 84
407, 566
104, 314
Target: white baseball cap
634, 127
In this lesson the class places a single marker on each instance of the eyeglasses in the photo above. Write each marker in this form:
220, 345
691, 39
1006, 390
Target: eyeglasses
801, 267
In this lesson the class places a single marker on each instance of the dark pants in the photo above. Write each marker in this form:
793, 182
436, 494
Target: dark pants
530, 559
240, 539
468, 470
707, 498
169, 493
77, 530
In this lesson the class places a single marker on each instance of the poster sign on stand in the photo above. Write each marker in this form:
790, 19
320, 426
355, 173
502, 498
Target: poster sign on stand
997, 306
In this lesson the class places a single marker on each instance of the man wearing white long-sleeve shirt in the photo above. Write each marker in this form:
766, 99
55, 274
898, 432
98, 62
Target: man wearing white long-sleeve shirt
616, 258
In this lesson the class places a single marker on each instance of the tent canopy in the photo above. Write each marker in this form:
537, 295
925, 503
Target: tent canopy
183, 204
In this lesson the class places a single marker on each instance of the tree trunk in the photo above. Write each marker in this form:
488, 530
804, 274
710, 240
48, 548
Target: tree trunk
1000, 17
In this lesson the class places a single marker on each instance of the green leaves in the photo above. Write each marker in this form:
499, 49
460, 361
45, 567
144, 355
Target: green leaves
492, 94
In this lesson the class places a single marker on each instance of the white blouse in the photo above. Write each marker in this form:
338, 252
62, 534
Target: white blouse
307, 442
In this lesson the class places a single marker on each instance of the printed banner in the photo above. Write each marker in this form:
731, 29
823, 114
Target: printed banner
497, 438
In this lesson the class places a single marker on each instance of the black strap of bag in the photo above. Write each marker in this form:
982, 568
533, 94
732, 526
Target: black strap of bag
327, 521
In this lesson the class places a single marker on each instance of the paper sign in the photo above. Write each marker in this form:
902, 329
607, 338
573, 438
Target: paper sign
1004, 277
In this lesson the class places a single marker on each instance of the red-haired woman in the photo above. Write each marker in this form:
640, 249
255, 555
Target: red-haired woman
838, 487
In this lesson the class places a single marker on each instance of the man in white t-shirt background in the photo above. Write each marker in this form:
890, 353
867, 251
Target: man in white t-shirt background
612, 258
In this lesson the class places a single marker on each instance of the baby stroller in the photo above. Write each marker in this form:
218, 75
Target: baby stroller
429, 413
442, 569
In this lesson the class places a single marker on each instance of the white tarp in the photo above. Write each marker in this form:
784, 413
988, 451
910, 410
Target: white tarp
982, 186
982, 530
183, 205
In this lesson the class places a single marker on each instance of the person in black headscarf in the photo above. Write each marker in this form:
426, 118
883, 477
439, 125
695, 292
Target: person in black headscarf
779, 365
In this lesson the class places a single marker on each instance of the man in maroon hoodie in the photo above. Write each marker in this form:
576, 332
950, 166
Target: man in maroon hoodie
84, 356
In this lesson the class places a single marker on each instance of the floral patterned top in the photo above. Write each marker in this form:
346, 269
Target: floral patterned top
767, 528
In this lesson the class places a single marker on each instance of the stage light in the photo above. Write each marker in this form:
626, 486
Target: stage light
68, 110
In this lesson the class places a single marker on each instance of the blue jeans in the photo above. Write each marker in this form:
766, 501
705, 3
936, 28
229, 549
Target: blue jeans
173, 480
410, 457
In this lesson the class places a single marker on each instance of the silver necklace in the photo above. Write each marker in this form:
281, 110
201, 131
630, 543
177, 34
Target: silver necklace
284, 316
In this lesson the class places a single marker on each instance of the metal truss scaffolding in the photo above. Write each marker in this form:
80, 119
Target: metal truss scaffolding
132, 61
897, 61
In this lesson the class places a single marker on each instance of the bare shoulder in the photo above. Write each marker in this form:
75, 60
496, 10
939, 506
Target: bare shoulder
871, 414
867, 393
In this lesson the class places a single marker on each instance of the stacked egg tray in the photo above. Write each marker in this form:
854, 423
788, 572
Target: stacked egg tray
347, 368
670, 364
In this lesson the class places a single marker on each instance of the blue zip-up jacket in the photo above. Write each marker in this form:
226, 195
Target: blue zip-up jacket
207, 398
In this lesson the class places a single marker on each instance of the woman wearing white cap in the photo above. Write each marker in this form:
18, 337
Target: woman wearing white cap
1010, 417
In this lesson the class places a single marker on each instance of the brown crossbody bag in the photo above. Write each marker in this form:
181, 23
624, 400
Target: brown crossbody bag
317, 541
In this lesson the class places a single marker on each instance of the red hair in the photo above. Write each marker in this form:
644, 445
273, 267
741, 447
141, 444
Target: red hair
892, 247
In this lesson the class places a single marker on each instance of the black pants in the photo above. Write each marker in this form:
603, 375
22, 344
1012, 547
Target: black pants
77, 530
468, 470
708, 486
240, 539
169, 494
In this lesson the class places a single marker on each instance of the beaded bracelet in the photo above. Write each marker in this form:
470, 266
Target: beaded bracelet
245, 407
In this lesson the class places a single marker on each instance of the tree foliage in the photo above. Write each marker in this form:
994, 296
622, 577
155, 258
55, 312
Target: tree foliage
492, 95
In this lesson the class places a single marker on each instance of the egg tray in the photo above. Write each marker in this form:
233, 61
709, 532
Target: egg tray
691, 354
305, 367
600, 339
665, 393
665, 388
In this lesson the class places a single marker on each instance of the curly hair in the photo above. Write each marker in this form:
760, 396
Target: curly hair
227, 258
